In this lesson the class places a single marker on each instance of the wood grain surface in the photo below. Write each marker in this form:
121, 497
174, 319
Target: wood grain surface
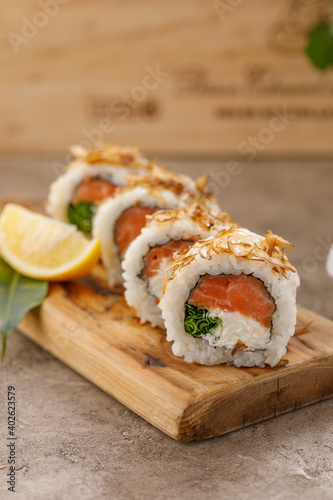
91, 329
187, 77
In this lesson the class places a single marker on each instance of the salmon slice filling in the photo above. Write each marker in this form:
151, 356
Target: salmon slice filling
93, 189
128, 226
87, 195
158, 258
162, 255
240, 307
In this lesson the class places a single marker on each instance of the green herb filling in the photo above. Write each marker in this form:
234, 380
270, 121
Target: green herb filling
82, 215
198, 322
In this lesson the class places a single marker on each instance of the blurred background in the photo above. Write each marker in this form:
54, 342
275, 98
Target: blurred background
190, 78
242, 90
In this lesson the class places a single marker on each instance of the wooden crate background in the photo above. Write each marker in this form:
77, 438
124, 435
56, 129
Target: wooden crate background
228, 68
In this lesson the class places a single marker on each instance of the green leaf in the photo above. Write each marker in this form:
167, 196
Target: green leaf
320, 46
82, 215
198, 322
18, 294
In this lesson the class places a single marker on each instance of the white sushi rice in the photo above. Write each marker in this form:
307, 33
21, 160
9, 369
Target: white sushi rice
282, 290
109, 212
237, 326
62, 190
139, 294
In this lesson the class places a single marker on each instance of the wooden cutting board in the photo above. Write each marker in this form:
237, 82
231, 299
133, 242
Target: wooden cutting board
91, 329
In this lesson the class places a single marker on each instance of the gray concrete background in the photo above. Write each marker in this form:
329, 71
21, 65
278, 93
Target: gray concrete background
76, 442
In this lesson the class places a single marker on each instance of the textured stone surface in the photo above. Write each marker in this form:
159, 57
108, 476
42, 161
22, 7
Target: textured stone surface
74, 441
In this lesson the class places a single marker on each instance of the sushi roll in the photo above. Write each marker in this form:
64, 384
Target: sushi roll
120, 219
148, 257
91, 178
231, 299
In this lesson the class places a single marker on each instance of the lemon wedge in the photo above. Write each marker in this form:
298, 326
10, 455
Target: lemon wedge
43, 248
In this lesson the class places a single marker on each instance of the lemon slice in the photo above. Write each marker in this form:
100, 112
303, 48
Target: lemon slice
43, 248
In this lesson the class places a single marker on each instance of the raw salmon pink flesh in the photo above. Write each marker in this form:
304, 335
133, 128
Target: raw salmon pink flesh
157, 254
128, 226
93, 189
234, 293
